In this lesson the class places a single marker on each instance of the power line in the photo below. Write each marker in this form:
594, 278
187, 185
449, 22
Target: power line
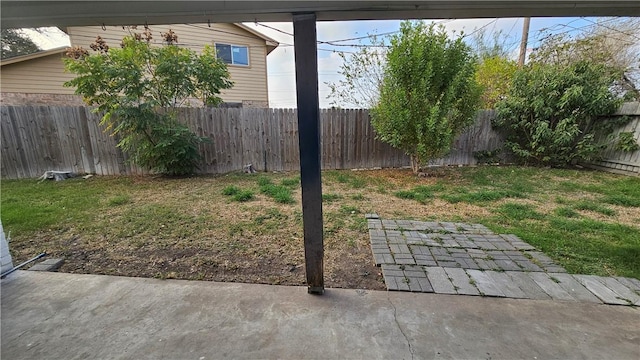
321, 42
480, 28
542, 36
613, 29
182, 44
274, 29
332, 42
510, 46
321, 49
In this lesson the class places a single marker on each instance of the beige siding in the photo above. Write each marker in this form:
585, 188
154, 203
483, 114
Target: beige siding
250, 83
43, 75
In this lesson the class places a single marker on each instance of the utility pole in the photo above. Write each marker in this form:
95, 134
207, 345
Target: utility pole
523, 42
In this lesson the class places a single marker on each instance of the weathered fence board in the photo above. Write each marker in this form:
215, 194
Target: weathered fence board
479, 136
620, 161
40, 138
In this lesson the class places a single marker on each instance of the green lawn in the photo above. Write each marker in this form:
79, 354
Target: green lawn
240, 227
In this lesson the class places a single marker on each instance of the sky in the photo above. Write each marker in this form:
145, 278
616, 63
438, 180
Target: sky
280, 63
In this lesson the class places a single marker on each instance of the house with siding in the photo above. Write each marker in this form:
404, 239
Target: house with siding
36, 79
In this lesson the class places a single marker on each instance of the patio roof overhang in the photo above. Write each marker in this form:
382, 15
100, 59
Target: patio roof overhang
304, 14
27, 13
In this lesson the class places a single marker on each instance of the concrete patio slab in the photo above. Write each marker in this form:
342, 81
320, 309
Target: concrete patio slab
69, 316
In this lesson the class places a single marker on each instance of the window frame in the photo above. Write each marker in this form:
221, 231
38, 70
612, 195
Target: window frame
215, 44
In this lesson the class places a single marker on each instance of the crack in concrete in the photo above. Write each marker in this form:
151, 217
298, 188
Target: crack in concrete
395, 318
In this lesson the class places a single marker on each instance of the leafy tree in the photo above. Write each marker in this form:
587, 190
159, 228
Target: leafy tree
611, 42
15, 43
489, 46
494, 74
552, 114
429, 93
362, 73
139, 87
495, 69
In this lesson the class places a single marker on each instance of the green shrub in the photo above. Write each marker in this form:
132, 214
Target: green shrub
627, 142
170, 148
488, 156
138, 88
552, 113
428, 94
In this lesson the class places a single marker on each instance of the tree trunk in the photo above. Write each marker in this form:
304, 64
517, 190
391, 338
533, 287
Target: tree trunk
415, 166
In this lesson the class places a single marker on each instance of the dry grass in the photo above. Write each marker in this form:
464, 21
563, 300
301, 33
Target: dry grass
187, 229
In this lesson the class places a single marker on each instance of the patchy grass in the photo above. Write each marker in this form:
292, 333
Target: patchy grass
595, 207
419, 193
349, 178
280, 193
475, 197
293, 182
566, 212
187, 229
622, 200
327, 198
119, 200
230, 190
519, 212
238, 194
29, 206
243, 196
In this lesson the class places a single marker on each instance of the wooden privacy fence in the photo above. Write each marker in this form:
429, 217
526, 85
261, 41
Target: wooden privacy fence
620, 161
40, 138
268, 139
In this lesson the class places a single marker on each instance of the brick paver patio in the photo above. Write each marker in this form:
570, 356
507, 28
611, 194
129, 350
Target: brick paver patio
469, 259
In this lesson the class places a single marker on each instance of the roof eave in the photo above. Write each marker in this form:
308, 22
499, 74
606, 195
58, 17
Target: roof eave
33, 56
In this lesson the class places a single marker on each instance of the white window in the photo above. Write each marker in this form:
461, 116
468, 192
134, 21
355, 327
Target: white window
233, 54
